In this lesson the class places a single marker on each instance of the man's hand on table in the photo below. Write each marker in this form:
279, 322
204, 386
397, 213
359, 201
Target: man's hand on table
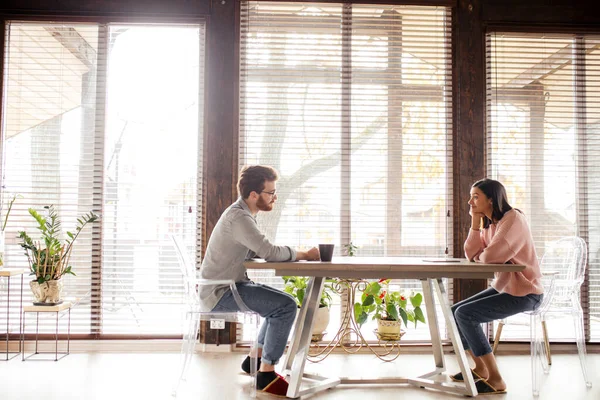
310, 255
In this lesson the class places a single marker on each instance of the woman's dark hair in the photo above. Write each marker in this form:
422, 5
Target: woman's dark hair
495, 191
253, 178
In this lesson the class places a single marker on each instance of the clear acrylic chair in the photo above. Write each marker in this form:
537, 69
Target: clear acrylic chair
194, 315
563, 268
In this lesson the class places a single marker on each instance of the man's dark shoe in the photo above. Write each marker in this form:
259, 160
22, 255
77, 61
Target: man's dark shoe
246, 365
272, 383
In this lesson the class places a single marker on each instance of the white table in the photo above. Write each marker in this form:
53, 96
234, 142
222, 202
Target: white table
9, 273
429, 271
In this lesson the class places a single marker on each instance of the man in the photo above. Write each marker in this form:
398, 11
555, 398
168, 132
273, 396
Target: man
236, 238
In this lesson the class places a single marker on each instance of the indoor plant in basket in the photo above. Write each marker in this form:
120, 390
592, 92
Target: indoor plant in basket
389, 309
49, 258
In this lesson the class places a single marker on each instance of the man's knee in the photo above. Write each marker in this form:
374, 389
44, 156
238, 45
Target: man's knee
461, 313
453, 308
289, 304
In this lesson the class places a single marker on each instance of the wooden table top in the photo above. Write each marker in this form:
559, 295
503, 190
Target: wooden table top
13, 271
60, 307
387, 267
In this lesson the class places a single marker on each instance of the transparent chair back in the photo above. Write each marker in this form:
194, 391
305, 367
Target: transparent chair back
194, 315
568, 259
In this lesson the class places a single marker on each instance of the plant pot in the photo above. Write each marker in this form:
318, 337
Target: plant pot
321, 322
389, 330
48, 293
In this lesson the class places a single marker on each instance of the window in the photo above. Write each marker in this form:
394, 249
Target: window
543, 125
109, 118
352, 104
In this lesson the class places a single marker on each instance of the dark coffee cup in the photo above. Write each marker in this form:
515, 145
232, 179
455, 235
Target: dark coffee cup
326, 251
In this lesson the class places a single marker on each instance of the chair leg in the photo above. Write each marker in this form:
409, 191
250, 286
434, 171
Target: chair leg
580, 335
497, 336
546, 342
255, 320
537, 347
187, 348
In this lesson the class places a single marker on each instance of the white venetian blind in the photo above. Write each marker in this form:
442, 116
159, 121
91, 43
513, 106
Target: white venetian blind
543, 144
352, 105
108, 117
152, 166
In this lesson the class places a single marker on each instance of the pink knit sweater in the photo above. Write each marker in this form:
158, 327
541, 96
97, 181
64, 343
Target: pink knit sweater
508, 241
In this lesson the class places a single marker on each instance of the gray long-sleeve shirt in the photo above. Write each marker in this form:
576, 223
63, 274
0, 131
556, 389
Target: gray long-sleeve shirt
236, 238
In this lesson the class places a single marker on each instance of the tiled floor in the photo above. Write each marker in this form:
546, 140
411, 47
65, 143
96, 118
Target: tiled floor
215, 376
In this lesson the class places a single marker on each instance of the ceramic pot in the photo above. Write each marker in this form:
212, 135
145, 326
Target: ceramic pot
389, 330
47, 293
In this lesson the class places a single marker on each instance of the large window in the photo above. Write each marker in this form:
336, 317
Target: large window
108, 118
543, 143
352, 104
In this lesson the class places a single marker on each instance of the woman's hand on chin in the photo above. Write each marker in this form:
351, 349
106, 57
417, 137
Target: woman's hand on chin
476, 219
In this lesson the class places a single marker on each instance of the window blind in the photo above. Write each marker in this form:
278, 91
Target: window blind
108, 117
543, 121
352, 104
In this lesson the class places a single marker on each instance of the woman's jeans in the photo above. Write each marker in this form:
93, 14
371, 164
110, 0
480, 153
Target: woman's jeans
487, 306
276, 307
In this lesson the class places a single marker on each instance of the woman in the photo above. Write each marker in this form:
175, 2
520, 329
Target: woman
499, 234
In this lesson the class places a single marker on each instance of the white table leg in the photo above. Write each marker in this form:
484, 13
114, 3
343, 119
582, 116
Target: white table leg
297, 331
302, 336
455, 338
301, 344
434, 329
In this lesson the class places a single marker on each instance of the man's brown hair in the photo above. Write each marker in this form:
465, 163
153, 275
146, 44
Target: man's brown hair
253, 178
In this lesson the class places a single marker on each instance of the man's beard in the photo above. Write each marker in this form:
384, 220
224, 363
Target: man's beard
263, 205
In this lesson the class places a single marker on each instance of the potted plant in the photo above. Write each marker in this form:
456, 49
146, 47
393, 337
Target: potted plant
389, 309
296, 287
2, 234
49, 259
351, 249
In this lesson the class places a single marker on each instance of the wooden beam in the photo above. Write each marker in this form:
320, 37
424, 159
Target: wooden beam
75, 43
541, 12
2, 96
547, 67
106, 7
469, 125
221, 135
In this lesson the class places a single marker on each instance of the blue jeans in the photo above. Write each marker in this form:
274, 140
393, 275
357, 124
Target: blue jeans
487, 306
276, 307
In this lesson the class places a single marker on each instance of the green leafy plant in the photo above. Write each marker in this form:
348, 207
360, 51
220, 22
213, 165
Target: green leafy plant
351, 249
386, 305
296, 286
49, 259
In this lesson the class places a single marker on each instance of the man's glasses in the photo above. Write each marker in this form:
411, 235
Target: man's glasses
272, 194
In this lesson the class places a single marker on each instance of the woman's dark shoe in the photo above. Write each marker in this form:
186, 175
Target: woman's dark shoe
459, 377
246, 365
484, 388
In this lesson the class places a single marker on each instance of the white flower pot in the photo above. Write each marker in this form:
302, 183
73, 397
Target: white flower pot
47, 293
321, 321
389, 330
